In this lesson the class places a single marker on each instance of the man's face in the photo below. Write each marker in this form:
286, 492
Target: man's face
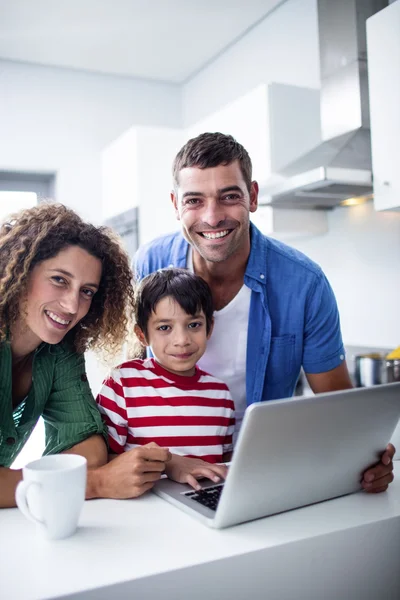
213, 206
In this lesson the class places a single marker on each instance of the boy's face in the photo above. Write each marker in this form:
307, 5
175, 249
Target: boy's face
177, 340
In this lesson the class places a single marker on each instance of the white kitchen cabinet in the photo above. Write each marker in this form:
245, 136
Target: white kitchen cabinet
294, 123
137, 173
276, 123
246, 118
288, 224
383, 45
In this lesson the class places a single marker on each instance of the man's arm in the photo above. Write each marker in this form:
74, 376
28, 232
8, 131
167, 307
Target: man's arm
379, 476
330, 381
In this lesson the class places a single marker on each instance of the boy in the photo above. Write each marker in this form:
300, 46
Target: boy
167, 399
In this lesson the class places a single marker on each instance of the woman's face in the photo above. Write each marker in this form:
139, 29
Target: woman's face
59, 294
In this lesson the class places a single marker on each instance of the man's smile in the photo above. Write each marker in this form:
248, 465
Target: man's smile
215, 235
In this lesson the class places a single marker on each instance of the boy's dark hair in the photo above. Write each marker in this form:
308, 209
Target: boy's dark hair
211, 150
191, 292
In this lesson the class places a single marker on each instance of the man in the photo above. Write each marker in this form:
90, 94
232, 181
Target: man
275, 310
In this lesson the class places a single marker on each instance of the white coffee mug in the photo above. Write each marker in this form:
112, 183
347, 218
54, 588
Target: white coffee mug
52, 493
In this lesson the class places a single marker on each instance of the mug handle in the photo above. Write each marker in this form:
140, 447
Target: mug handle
22, 503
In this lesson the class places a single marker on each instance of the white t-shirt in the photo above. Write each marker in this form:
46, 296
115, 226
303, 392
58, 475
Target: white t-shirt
225, 356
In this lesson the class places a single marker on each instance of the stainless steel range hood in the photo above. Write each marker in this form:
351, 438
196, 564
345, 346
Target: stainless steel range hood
340, 167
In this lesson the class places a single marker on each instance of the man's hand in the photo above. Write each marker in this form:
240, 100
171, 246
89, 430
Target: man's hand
130, 474
377, 478
188, 470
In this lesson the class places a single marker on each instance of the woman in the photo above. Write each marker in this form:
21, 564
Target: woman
65, 287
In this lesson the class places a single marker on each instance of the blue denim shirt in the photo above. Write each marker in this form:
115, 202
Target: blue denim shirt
293, 319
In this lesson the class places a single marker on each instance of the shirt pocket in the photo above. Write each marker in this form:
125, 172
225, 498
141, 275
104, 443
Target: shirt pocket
281, 358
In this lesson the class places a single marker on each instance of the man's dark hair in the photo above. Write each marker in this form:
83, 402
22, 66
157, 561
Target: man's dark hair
191, 292
211, 150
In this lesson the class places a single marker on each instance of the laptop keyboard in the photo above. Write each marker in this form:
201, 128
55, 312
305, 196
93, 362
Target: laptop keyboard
208, 497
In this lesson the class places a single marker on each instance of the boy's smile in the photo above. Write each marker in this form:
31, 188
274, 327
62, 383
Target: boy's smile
176, 339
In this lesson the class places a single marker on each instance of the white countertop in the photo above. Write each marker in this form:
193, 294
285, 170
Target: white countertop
127, 540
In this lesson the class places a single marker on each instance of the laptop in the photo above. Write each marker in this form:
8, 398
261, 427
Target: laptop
295, 452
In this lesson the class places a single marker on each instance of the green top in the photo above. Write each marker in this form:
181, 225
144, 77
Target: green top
60, 393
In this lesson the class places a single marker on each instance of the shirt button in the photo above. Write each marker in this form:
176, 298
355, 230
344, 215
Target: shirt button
341, 357
262, 276
10, 441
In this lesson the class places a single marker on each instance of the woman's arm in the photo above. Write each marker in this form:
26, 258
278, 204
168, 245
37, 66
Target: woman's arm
93, 449
9, 479
129, 475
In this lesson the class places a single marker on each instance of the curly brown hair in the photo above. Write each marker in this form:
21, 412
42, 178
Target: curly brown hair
40, 233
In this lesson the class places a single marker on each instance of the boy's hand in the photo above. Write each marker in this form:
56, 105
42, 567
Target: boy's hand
188, 470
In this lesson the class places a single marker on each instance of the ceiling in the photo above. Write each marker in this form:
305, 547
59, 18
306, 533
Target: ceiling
168, 40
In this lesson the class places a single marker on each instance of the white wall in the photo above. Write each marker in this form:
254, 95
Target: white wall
137, 172
246, 118
360, 256
282, 48
156, 151
120, 174
60, 120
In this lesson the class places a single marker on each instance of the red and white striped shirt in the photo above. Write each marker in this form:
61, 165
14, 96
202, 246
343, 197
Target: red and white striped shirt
142, 402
